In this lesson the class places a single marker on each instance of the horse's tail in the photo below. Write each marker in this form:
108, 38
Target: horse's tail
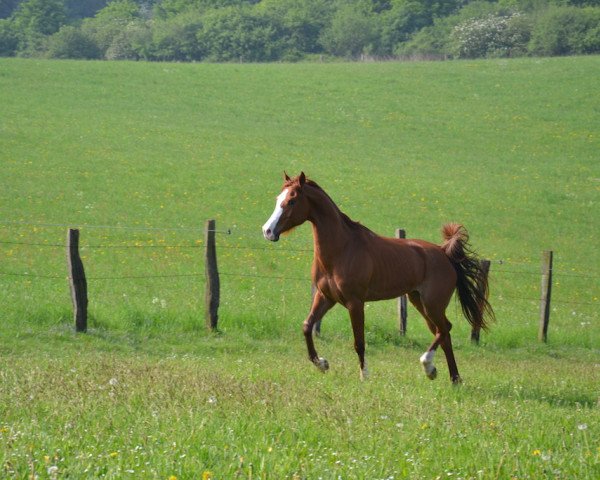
472, 283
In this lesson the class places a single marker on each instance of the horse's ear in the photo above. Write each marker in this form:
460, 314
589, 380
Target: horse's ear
286, 177
302, 179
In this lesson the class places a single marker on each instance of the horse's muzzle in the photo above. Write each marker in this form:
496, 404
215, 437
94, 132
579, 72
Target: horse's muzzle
270, 235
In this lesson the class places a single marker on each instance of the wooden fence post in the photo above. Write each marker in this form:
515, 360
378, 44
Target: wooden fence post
77, 281
545, 297
402, 309
213, 287
475, 331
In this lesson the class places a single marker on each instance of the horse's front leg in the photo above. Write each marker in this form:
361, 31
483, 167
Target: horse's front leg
320, 306
357, 317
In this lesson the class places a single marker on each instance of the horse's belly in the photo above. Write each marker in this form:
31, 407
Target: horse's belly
391, 290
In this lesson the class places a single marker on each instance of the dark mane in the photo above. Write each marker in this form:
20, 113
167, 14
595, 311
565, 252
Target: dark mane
347, 220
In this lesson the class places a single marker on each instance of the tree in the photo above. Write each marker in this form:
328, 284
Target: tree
440, 39
239, 34
34, 20
566, 31
352, 32
9, 40
495, 35
84, 8
175, 38
44, 17
170, 8
406, 17
71, 42
301, 23
398, 23
429, 42
109, 23
7, 7
131, 43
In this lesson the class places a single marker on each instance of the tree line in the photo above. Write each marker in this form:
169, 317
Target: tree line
294, 30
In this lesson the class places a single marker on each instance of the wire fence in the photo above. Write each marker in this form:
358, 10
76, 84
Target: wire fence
517, 268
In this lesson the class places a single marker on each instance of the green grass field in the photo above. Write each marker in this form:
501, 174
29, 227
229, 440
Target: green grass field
140, 155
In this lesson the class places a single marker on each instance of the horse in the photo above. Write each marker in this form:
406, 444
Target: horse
353, 265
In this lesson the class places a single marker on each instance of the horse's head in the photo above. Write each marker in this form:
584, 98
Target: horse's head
291, 208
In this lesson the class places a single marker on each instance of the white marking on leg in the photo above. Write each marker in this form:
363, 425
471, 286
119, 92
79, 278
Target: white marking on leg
271, 224
322, 364
427, 362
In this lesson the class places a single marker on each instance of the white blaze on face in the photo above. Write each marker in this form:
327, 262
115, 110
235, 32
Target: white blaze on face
271, 224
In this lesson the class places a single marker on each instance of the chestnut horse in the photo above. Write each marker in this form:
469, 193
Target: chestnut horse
353, 265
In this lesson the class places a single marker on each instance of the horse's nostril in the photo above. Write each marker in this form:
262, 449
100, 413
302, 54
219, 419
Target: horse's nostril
268, 231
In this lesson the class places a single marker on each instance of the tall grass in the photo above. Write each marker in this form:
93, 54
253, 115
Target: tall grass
254, 413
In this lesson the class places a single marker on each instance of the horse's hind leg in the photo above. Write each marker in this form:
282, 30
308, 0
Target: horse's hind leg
443, 339
440, 326
320, 307
427, 358
450, 360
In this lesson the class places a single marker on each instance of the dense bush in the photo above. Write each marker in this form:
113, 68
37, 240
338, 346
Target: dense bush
351, 32
429, 42
133, 42
33, 21
566, 31
9, 41
301, 23
398, 23
107, 27
238, 34
40, 16
71, 42
273, 30
436, 40
175, 38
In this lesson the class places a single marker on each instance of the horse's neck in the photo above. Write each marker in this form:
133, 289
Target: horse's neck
330, 231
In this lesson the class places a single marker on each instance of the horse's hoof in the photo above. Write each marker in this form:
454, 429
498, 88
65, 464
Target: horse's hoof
322, 364
457, 380
364, 374
432, 375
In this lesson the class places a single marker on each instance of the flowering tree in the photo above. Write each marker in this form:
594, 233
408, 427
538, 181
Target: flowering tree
491, 36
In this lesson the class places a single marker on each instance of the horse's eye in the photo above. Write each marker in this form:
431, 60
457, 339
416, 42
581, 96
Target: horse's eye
291, 202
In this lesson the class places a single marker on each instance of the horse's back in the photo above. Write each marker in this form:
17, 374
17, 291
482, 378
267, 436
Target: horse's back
400, 266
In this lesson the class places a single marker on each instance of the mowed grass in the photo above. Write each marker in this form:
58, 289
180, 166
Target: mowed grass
140, 155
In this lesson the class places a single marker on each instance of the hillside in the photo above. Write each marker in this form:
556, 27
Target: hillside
139, 155
509, 148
